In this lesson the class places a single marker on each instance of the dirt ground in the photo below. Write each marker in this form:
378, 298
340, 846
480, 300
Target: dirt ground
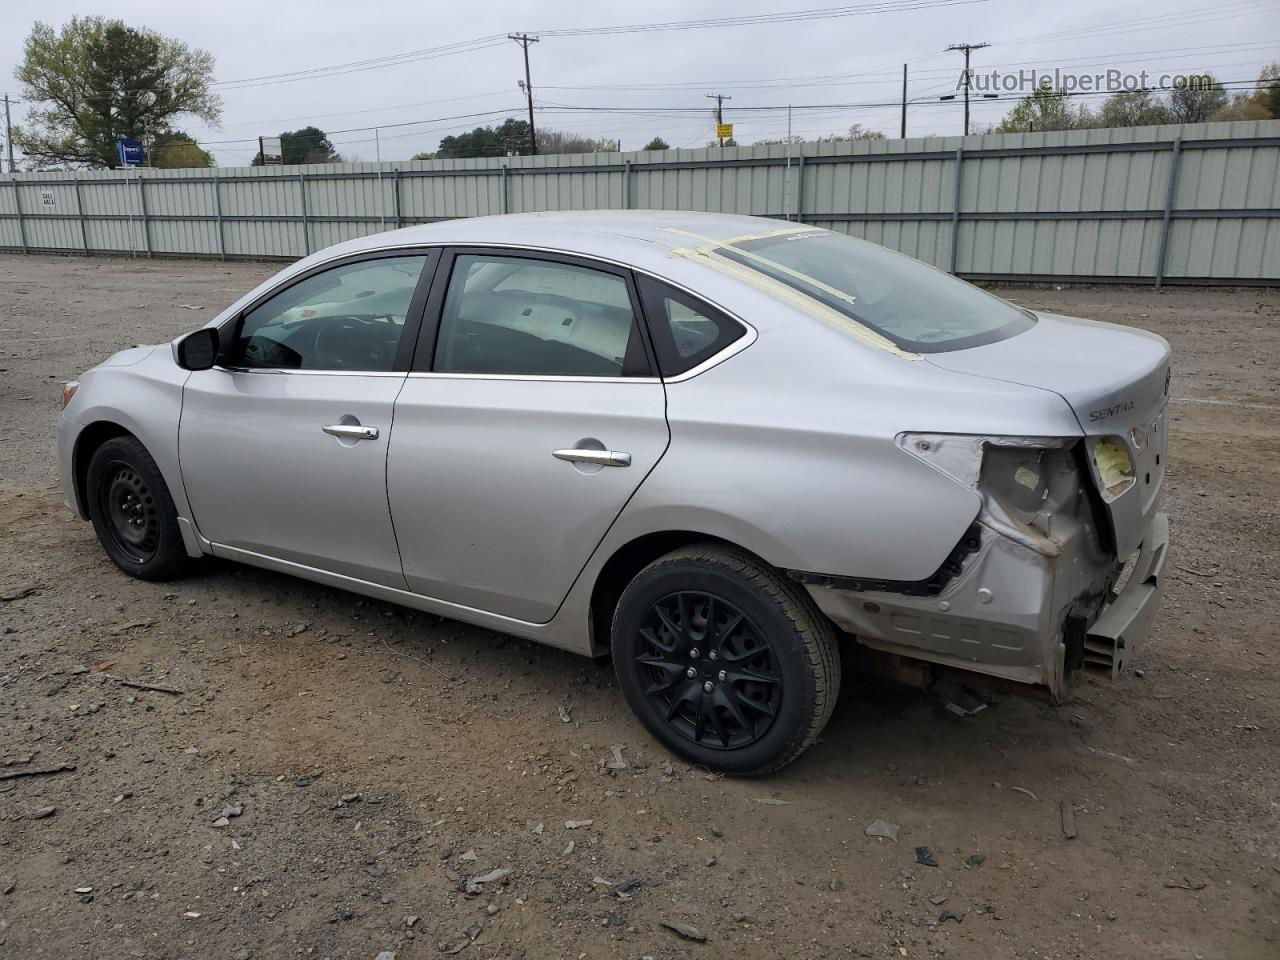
378, 758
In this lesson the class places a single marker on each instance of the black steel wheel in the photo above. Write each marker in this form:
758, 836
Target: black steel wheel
132, 511
726, 662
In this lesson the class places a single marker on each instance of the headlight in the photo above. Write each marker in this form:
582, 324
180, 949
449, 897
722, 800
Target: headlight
68, 391
1114, 465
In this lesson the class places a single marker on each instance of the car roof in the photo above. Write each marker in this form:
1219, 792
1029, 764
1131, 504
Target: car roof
642, 238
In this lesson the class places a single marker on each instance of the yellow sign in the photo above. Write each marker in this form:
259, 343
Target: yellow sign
724, 130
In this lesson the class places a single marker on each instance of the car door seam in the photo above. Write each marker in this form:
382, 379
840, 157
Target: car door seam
386, 482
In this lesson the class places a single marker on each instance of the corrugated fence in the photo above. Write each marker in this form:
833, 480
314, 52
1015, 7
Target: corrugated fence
1197, 203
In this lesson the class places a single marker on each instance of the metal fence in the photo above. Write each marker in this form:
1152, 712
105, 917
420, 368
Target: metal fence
1197, 203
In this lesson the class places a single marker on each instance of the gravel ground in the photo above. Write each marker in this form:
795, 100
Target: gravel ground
334, 770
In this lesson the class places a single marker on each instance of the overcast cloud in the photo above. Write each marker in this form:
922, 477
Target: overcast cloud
757, 65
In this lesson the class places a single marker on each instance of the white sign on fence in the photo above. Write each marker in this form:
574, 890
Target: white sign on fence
272, 149
46, 199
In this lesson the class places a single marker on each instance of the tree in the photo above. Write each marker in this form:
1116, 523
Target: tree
657, 143
175, 149
1196, 98
1261, 103
858, 132
562, 141
1045, 109
97, 80
308, 145
510, 137
1269, 88
728, 142
1136, 108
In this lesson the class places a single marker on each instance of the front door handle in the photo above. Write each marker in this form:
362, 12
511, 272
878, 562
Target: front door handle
351, 431
603, 458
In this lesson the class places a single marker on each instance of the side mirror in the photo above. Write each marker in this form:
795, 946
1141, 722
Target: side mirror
198, 350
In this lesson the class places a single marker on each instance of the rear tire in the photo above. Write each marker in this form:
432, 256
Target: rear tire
132, 511
727, 663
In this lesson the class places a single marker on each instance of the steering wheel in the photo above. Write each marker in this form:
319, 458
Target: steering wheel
348, 343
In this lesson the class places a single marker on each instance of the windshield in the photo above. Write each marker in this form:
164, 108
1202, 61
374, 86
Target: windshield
917, 307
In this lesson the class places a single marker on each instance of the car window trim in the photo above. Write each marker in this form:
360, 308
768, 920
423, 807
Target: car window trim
412, 321
429, 331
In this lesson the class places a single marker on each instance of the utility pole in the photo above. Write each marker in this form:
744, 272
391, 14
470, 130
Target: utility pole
524, 40
8, 131
967, 48
719, 98
903, 134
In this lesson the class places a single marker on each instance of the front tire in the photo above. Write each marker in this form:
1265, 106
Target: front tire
724, 661
132, 511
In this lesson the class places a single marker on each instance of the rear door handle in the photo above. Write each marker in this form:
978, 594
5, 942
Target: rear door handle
604, 458
351, 431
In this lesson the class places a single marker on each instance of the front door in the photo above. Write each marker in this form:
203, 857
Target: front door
527, 424
283, 445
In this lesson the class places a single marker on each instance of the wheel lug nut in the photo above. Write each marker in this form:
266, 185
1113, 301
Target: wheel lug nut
722, 676
713, 655
694, 653
691, 673
708, 686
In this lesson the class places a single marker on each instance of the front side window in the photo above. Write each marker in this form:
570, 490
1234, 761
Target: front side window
348, 318
516, 316
917, 307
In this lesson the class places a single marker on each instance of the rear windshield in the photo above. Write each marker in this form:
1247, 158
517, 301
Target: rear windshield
920, 309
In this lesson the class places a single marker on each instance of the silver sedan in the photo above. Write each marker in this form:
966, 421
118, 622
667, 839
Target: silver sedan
722, 450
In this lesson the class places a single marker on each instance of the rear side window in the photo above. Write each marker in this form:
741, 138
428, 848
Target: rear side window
527, 317
685, 330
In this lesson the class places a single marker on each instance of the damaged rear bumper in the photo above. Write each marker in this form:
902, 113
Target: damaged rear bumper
1010, 610
1126, 620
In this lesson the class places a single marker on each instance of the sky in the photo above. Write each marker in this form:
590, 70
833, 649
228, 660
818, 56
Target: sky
835, 70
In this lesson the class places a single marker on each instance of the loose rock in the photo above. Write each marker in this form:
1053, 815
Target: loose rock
880, 828
684, 931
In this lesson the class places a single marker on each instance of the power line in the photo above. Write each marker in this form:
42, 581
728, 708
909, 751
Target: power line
867, 77
356, 66
483, 43
793, 16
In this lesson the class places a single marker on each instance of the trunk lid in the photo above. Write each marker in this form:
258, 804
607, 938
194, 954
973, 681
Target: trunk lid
1116, 381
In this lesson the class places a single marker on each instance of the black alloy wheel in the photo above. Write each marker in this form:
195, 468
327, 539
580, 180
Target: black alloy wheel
724, 660
713, 674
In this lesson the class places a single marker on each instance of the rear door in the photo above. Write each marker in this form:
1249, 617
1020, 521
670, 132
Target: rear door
532, 414
283, 444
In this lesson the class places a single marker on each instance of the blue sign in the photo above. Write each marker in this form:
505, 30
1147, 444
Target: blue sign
131, 152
